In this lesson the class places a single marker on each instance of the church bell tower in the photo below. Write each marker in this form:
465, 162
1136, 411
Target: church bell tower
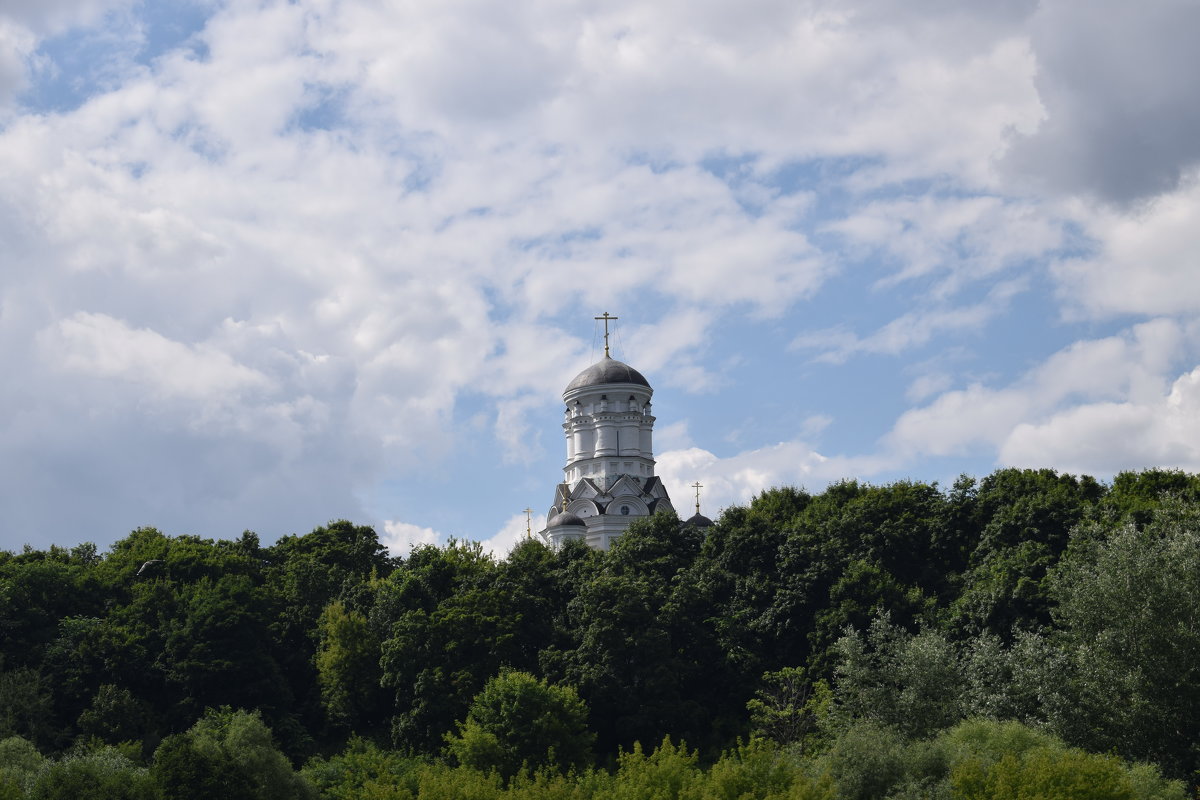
608, 479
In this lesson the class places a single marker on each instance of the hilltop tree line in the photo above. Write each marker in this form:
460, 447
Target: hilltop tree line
901, 640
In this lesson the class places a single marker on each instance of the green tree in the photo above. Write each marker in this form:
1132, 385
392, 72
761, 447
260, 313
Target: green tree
228, 754
365, 772
25, 705
304, 574
1022, 520
1129, 611
1044, 773
218, 648
789, 709
452, 630
866, 761
184, 771
115, 715
647, 662
103, 774
519, 721
19, 762
348, 667
1134, 496
913, 683
1002, 760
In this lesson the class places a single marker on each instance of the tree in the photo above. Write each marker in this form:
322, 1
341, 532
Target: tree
788, 708
227, 754
519, 721
1135, 495
364, 771
1129, 609
218, 649
103, 774
114, 716
184, 771
452, 629
19, 762
646, 661
1044, 772
25, 704
348, 667
911, 683
1022, 520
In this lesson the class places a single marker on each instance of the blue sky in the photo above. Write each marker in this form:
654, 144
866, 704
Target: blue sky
267, 264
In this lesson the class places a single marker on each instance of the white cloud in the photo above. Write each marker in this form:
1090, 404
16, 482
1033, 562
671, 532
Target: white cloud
102, 347
1104, 438
401, 537
787, 80
1058, 410
1147, 261
53, 16
956, 240
16, 45
929, 384
25, 24
509, 536
735, 480
673, 436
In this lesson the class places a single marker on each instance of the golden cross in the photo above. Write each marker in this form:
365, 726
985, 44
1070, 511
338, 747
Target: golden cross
528, 529
698, 487
606, 318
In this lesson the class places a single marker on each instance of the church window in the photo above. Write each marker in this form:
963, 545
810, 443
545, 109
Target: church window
625, 510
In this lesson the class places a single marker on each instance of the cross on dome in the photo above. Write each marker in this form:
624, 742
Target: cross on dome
606, 318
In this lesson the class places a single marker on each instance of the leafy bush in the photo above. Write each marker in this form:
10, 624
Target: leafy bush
519, 721
228, 754
103, 774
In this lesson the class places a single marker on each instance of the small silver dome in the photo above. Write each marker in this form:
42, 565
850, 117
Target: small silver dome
607, 370
565, 518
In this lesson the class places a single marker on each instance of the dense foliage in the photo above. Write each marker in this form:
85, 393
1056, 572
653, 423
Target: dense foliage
859, 640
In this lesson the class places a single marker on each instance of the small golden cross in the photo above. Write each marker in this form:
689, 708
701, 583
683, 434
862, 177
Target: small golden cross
528, 519
606, 318
697, 485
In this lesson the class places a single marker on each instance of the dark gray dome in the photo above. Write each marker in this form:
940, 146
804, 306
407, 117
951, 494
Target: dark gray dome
565, 518
699, 521
607, 370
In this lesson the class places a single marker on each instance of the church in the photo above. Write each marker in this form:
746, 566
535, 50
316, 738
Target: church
608, 479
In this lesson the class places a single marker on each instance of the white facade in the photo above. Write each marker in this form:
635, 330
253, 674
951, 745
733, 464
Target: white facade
608, 478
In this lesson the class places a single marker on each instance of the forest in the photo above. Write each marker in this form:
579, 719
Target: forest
1029, 634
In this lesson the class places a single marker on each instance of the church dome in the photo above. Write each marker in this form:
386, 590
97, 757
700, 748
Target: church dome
565, 518
698, 520
607, 370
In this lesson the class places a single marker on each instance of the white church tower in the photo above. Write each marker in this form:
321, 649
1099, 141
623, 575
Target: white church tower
608, 480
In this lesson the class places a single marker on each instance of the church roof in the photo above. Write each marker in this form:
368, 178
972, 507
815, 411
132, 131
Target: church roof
699, 521
565, 518
607, 370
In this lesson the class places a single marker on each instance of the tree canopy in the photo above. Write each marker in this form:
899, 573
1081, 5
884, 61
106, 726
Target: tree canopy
859, 620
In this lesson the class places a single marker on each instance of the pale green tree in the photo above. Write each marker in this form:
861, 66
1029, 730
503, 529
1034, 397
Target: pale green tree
518, 720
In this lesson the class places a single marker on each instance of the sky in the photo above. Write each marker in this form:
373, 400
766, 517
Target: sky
269, 264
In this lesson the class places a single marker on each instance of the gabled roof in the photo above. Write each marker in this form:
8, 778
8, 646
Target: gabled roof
627, 485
